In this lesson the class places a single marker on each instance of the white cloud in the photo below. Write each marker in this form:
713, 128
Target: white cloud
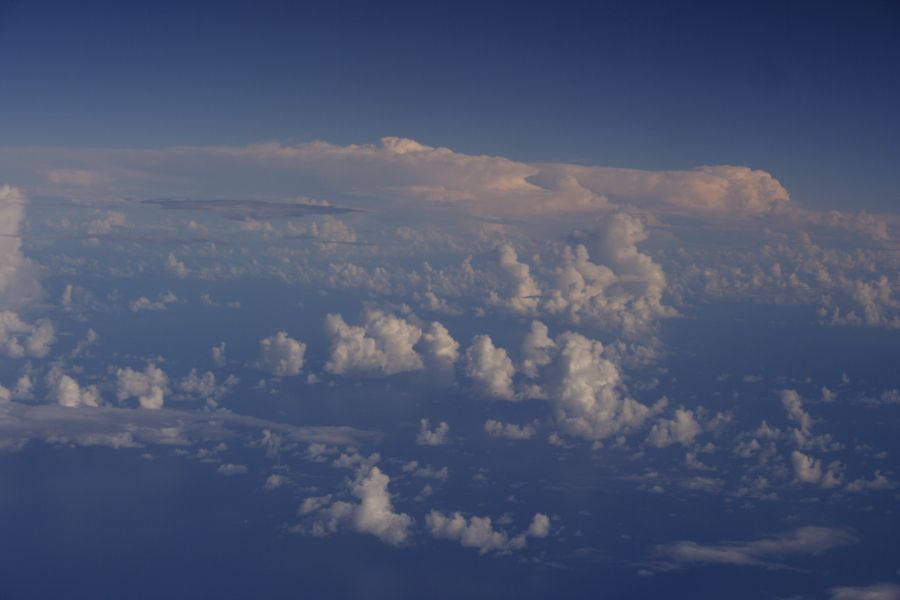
793, 404
809, 470
229, 469
280, 355
490, 368
19, 339
608, 281
383, 345
681, 429
540, 526
478, 532
18, 281
756, 553
875, 591
161, 303
218, 354
106, 224
509, 431
432, 437
536, 349
149, 387
65, 391
441, 351
373, 514
587, 391
522, 294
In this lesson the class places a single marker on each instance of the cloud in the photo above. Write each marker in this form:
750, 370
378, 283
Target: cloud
606, 280
756, 553
536, 349
372, 514
65, 391
383, 345
149, 387
586, 390
508, 431
432, 437
809, 470
126, 427
19, 339
522, 294
17, 281
490, 368
280, 355
876, 591
681, 429
478, 532
722, 190
161, 303
793, 404
229, 469
440, 349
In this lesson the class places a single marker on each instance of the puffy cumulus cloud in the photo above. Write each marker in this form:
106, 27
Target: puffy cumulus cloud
521, 293
206, 386
509, 431
755, 553
105, 224
432, 437
478, 532
280, 355
793, 404
536, 349
440, 349
490, 368
387, 344
65, 391
721, 190
809, 470
230, 469
18, 281
587, 391
607, 280
149, 387
540, 526
218, 354
383, 345
875, 591
682, 428
161, 303
19, 339
372, 514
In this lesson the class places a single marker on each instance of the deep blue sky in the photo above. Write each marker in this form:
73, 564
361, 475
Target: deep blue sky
808, 92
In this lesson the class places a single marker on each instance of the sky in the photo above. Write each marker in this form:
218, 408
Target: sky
806, 91
495, 300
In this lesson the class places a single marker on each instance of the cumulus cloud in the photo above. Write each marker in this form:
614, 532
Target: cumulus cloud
587, 391
372, 514
536, 349
478, 532
18, 281
280, 355
809, 470
230, 469
521, 293
432, 437
441, 351
161, 303
490, 368
65, 391
757, 553
19, 339
149, 387
682, 428
383, 345
509, 431
608, 281
218, 354
793, 404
